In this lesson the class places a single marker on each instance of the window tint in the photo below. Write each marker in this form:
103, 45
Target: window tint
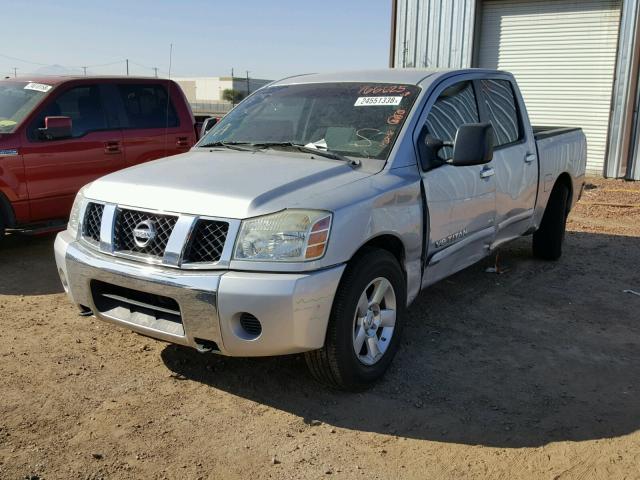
82, 104
502, 111
455, 106
146, 106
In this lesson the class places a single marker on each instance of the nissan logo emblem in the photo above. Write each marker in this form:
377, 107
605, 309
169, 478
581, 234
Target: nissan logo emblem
144, 233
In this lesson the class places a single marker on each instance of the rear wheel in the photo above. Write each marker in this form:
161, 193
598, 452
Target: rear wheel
548, 239
364, 329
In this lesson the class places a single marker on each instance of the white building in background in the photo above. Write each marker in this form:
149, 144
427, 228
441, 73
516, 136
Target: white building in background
209, 89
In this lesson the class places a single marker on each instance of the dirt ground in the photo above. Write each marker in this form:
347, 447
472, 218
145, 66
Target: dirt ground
534, 373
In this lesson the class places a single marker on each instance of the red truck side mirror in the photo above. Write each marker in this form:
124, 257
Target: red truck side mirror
207, 125
56, 128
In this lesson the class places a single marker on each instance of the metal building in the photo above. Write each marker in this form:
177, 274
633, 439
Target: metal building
576, 61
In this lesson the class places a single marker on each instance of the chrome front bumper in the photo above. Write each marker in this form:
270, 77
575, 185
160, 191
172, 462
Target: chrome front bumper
293, 309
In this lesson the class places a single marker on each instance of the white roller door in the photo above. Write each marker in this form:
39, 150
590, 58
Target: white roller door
563, 55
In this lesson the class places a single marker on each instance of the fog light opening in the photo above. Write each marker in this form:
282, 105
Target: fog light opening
205, 346
250, 326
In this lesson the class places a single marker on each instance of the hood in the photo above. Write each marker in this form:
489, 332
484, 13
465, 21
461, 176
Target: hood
228, 184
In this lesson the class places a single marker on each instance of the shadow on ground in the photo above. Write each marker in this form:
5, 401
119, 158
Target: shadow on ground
546, 352
28, 266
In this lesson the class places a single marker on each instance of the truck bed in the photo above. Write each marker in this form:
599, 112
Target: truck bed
541, 132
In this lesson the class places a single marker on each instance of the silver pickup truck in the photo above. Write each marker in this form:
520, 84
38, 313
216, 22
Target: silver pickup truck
311, 216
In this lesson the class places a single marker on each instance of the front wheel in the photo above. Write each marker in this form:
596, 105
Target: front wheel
366, 321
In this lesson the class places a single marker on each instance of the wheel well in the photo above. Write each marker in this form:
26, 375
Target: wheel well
565, 179
390, 243
6, 211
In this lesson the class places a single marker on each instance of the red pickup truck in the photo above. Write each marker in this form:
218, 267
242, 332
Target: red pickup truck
60, 133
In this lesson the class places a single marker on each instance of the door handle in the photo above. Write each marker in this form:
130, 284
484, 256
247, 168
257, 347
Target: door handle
529, 158
487, 172
182, 142
111, 147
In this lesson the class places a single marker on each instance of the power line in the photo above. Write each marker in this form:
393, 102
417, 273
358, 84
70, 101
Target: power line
22, 60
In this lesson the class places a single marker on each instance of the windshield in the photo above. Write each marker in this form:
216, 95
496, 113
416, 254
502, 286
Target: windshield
17, 99
352, 119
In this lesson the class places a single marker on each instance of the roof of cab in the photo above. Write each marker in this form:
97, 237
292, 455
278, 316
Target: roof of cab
58, 79
407, 76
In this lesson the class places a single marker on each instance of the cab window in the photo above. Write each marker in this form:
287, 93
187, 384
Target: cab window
454, 107
147, 106
82, 104
502, 111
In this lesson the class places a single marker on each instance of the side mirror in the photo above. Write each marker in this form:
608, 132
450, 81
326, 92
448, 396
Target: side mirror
207, 125
428, 148
473, 145
56, 128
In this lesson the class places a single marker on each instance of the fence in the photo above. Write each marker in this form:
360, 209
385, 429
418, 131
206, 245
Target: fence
210, 107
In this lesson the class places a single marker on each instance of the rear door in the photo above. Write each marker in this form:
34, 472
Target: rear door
514, 157
56, 169
151, 125
460, 200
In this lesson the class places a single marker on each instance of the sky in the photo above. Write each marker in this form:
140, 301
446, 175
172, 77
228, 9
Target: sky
271, 39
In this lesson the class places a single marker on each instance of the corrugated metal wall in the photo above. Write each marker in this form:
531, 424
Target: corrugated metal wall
441, 34
434, 33
563, 55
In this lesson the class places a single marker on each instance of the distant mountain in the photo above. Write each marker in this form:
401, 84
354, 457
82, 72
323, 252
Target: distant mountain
58, 70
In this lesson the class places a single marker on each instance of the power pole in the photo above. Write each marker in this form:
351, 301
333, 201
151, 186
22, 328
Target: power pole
85, 71
155, 69
248, 89
233, 91
127, 60
15, 72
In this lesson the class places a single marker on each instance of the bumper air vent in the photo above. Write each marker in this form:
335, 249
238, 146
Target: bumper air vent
251, 325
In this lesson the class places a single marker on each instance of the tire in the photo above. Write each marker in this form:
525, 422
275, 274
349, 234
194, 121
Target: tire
358, 318
548, 239
3, 226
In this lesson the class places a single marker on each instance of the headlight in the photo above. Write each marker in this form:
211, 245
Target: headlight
74, 216
287, 236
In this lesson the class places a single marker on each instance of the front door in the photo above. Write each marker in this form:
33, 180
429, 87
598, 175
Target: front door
56, 169
461, 200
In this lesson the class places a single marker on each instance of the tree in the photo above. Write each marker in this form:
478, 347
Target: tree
231, 95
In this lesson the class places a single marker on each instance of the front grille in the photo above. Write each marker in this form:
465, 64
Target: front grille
128, 220
207, 242
92, 221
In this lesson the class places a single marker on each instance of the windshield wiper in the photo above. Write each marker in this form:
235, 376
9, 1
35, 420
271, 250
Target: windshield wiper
232, 145
303, 148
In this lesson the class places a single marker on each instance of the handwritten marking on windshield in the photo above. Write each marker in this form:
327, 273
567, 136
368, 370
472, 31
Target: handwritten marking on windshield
396, 117
384, 90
